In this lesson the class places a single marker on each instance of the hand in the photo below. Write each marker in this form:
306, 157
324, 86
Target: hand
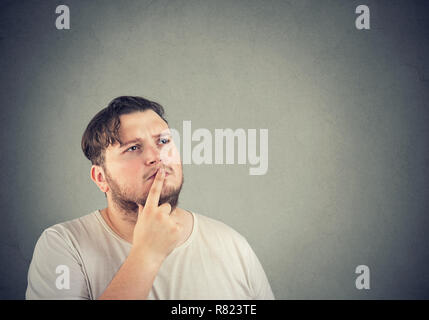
156, 233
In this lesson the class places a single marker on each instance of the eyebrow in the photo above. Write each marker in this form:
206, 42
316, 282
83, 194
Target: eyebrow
124, 144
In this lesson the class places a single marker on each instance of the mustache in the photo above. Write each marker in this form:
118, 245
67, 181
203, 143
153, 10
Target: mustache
153, 172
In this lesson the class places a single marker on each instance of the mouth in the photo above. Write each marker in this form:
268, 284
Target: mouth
156, 171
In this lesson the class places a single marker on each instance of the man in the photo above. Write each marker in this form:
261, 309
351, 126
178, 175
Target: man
142, 246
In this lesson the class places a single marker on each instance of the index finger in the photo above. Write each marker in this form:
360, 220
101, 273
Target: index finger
156, 188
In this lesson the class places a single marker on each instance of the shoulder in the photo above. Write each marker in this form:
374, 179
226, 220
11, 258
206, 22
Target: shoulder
76, 224
58, 246
72, 230
217, 231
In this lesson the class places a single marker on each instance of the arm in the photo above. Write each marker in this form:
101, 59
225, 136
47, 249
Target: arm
258, 279
45, 280
155, 236
134, 279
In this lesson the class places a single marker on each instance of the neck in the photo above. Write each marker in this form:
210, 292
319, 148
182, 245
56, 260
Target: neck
122, 222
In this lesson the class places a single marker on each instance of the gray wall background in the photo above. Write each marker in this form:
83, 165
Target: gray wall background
346, 110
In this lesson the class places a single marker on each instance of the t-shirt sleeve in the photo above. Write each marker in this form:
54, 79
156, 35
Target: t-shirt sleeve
258, 279
56, 271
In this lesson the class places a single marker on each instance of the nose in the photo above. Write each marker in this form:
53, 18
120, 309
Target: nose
152, 155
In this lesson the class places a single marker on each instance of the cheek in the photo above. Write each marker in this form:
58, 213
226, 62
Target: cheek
178, 170
170, 156
129, 170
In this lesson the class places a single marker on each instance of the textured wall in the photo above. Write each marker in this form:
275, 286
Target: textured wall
346, 110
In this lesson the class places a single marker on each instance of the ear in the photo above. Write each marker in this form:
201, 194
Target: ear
99, 178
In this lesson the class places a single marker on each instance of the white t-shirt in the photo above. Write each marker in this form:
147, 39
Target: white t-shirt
78, 259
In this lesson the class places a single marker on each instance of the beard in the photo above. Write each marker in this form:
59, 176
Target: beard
124, 199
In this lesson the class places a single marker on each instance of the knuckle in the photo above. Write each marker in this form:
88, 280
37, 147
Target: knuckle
153, 191
159, 216
149, 210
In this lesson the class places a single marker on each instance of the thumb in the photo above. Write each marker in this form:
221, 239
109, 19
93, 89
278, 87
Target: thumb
165, 208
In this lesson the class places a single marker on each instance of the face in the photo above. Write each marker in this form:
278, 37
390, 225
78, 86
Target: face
130, 166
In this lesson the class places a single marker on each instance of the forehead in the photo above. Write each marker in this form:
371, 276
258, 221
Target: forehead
140, 124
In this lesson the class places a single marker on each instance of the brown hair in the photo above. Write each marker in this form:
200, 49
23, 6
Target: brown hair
102, 130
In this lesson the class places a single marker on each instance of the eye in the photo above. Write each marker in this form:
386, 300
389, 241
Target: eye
164, 140
133, 148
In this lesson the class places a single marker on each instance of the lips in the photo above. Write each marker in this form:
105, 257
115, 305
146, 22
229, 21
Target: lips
154, 174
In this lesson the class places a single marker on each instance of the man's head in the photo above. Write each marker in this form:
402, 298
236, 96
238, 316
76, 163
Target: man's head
126, 143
